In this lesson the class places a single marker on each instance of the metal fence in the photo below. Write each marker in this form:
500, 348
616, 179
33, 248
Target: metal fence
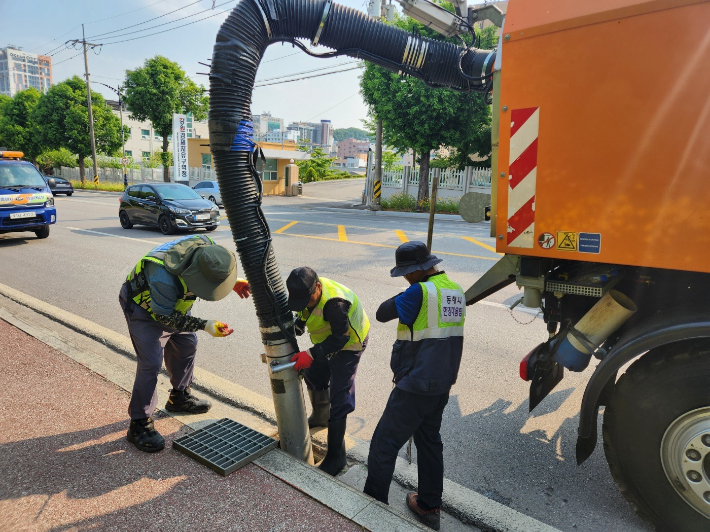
451, 182
136, 175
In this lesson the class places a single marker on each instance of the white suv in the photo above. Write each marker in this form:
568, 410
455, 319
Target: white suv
209, 190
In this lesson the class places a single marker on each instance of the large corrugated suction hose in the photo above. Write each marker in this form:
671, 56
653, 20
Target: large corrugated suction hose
241, 42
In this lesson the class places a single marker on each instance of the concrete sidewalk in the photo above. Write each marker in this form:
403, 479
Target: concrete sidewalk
66, 464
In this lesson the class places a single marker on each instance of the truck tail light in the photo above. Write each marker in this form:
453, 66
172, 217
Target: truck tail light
527, 365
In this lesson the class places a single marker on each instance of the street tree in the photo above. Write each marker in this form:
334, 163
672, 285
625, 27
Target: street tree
417, 117
389, 160
61, 120
319, 162
16, 125
159, 89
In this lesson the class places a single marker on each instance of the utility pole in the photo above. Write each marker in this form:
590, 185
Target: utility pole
123, 133
88, 98
378, 165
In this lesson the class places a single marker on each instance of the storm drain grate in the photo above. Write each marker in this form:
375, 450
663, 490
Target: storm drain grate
225, 445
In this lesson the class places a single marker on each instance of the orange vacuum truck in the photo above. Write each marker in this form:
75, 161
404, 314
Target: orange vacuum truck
600, 203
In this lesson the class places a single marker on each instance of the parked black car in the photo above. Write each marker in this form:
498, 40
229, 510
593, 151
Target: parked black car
170, 206
60, 185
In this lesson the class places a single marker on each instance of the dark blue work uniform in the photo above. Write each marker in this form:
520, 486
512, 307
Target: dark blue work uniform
424, 371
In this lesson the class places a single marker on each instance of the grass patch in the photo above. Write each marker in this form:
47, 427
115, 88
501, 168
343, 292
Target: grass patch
408, 203
89, 185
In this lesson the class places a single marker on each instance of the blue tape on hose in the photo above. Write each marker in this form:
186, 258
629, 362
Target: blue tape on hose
243, 139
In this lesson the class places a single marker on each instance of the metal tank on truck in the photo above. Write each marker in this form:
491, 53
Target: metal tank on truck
599, 203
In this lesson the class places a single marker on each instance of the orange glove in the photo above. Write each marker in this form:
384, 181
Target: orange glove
242, 288
303, 360
218, 329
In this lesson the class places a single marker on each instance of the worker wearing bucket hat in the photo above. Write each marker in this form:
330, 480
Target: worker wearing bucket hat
156, 299
425, 361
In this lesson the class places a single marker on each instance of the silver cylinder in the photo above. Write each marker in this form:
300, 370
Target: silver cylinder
290, 407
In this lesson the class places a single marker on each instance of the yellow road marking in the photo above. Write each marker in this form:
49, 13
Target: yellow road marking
285, 227
342, 235
383, 245
478, 242
401, 236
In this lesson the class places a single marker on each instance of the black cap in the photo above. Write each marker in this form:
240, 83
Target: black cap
301, 284
412, 256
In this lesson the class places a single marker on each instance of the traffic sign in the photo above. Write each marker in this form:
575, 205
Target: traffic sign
125, 161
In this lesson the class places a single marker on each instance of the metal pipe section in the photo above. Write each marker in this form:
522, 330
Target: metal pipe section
250, 28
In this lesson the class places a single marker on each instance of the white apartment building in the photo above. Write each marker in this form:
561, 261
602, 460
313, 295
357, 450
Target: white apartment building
21, 70
282, 136
142, 140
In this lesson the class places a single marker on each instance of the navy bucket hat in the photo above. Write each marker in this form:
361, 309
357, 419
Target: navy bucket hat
413, 256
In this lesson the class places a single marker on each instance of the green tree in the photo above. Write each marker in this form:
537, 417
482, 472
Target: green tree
418, 117
16, 125
61, 120
50, 159
350, 133
389, 160
157, 90
319, 162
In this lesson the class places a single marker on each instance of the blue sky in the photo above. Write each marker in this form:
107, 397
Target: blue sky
42, 25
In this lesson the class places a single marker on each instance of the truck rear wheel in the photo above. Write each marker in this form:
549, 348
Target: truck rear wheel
657, 436
42, 232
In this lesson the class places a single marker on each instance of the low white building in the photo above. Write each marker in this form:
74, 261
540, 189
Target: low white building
279, 136
142, 139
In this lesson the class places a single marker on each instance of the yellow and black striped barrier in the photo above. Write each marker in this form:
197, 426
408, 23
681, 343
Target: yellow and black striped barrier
378, 189
96, 180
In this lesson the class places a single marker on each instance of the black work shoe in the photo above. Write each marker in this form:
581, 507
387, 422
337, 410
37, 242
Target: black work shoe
143, 435
431, 518
320, 401
335, 460
183, 401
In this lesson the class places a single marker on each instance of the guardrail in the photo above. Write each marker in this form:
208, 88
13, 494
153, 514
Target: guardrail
135, 175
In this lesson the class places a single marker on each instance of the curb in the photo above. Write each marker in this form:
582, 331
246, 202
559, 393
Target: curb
467, 505
396, 214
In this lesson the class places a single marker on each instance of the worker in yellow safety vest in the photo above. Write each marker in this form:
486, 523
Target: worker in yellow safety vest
156, 299
425, 361
338, 327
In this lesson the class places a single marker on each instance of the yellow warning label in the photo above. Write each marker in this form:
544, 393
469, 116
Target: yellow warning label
566, 241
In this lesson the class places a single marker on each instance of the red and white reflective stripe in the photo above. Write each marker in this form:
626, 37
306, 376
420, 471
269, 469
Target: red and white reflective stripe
522, 176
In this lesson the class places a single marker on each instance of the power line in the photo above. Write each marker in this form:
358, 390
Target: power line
308, 77
171, 29
336, 105
65, 60
304, 72
149, 20
277, 58
127, 12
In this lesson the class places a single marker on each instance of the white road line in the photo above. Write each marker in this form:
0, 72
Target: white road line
115, 236
530, 311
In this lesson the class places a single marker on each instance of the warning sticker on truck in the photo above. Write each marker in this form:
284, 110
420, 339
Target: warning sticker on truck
590, 242
566, 241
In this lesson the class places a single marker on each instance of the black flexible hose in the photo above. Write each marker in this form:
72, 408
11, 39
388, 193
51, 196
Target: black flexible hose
250, 28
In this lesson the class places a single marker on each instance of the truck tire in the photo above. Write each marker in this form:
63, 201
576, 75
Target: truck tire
42, 232
657, 419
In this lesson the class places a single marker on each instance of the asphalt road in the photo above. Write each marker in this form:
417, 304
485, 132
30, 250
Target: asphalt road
492, 444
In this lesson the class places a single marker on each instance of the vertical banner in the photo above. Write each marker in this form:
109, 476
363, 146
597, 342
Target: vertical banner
180, 148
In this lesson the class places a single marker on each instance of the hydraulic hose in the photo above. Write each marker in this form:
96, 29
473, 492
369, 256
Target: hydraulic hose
250, 28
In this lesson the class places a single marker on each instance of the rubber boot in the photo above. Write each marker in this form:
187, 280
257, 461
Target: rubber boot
320, 401
334, 460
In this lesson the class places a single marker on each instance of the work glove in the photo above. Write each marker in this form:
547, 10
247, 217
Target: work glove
303, 360
242, 288
218, 329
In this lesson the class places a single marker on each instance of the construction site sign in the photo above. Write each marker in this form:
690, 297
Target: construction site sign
566, 241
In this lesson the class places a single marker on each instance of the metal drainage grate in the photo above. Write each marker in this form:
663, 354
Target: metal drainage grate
225, 445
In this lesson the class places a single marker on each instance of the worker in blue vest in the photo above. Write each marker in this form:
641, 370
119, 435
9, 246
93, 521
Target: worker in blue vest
156, 299
338, 326
425, 362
